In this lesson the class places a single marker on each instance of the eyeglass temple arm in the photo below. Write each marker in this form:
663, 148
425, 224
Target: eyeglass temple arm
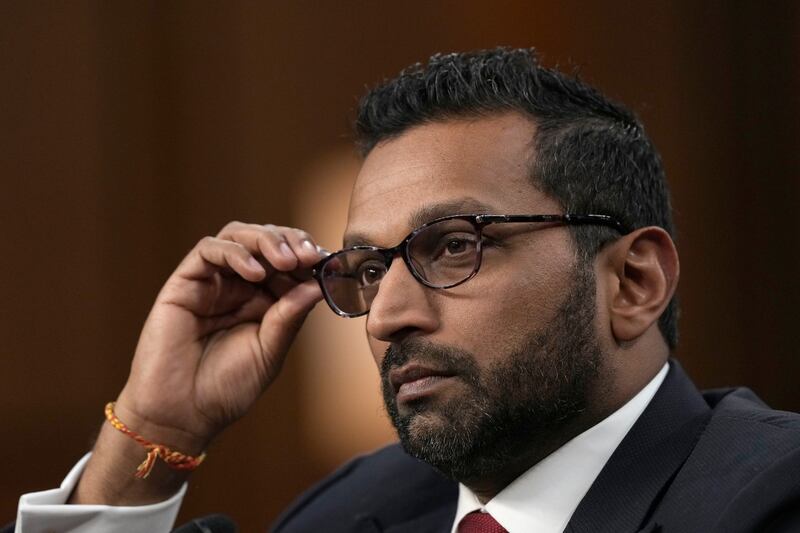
569, 218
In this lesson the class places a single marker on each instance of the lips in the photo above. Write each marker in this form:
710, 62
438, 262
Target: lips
414, 381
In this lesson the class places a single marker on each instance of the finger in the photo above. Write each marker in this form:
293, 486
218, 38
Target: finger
251, 311
303, 246
284, 318
281, 283
267, 240
210, 297
211, 255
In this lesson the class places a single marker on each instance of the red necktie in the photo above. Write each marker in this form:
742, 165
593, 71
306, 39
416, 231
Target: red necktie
478, 522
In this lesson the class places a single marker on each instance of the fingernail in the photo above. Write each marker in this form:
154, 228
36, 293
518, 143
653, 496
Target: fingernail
285, 250
309, 247
254, 264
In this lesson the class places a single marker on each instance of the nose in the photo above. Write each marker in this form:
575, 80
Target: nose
402, 306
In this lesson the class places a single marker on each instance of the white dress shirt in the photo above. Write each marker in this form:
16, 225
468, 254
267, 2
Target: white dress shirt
542, 499
46, 511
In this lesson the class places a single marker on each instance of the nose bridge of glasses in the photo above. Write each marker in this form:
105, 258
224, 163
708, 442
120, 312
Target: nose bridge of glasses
400, 251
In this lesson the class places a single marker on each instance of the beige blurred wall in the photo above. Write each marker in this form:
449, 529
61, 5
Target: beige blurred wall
128, 130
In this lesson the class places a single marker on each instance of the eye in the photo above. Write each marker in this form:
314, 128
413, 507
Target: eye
453, 245
456, 246
370, 273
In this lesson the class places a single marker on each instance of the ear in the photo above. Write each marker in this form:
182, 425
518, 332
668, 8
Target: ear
643, 271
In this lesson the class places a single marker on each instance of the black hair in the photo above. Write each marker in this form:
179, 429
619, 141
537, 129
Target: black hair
591, 154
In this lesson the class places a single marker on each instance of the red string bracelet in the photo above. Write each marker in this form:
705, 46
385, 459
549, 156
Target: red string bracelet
173, 459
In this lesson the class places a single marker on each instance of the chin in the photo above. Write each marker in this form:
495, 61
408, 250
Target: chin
422, 425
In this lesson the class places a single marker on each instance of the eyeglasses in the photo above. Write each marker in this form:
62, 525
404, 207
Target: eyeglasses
441, 254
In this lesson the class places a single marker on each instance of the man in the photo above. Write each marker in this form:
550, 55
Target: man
510, 239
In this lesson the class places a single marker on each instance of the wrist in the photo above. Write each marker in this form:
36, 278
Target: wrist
173, 458
110, 475
161, 433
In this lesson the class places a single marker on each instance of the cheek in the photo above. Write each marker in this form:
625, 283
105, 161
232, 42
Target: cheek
501, 309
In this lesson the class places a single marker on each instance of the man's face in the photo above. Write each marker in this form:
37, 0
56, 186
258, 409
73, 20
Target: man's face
472, 373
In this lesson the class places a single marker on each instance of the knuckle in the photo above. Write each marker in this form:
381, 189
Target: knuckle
236, 247
266, 241
271, 233
284, 313
206, 241
231, 226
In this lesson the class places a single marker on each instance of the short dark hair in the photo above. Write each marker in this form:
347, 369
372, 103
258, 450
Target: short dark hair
591, 154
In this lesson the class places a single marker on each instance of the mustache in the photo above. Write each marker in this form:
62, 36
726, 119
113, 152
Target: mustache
447, 358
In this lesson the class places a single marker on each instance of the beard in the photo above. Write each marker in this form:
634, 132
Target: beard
519, 405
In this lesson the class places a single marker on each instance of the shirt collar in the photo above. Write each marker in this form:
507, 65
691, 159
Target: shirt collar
544, 498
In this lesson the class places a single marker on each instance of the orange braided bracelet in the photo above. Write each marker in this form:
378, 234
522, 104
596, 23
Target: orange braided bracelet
173, 459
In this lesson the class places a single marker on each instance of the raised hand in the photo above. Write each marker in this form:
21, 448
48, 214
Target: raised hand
215, 339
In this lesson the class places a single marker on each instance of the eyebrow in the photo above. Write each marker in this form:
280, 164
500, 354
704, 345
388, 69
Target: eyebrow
425, 214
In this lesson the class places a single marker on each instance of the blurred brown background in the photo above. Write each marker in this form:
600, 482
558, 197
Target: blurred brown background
128, 130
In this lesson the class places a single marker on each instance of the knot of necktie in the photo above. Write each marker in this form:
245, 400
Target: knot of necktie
478, 522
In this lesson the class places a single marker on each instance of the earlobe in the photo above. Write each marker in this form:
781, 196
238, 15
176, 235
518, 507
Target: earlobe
645, 269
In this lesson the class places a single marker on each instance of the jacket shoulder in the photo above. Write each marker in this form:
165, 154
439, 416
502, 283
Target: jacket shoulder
740, 410
744, 471
743, 437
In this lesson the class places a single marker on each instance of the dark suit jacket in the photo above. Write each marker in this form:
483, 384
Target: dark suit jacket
717, 462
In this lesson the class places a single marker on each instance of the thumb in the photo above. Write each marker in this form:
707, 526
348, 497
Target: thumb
282, 321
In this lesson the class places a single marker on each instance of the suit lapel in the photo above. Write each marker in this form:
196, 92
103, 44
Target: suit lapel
636, 476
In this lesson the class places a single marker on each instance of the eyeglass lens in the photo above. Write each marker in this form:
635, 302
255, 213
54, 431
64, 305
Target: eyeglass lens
441, 254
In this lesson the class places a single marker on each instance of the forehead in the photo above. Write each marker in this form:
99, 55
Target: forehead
448, 167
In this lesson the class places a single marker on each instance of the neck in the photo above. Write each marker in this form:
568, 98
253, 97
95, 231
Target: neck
486, 487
